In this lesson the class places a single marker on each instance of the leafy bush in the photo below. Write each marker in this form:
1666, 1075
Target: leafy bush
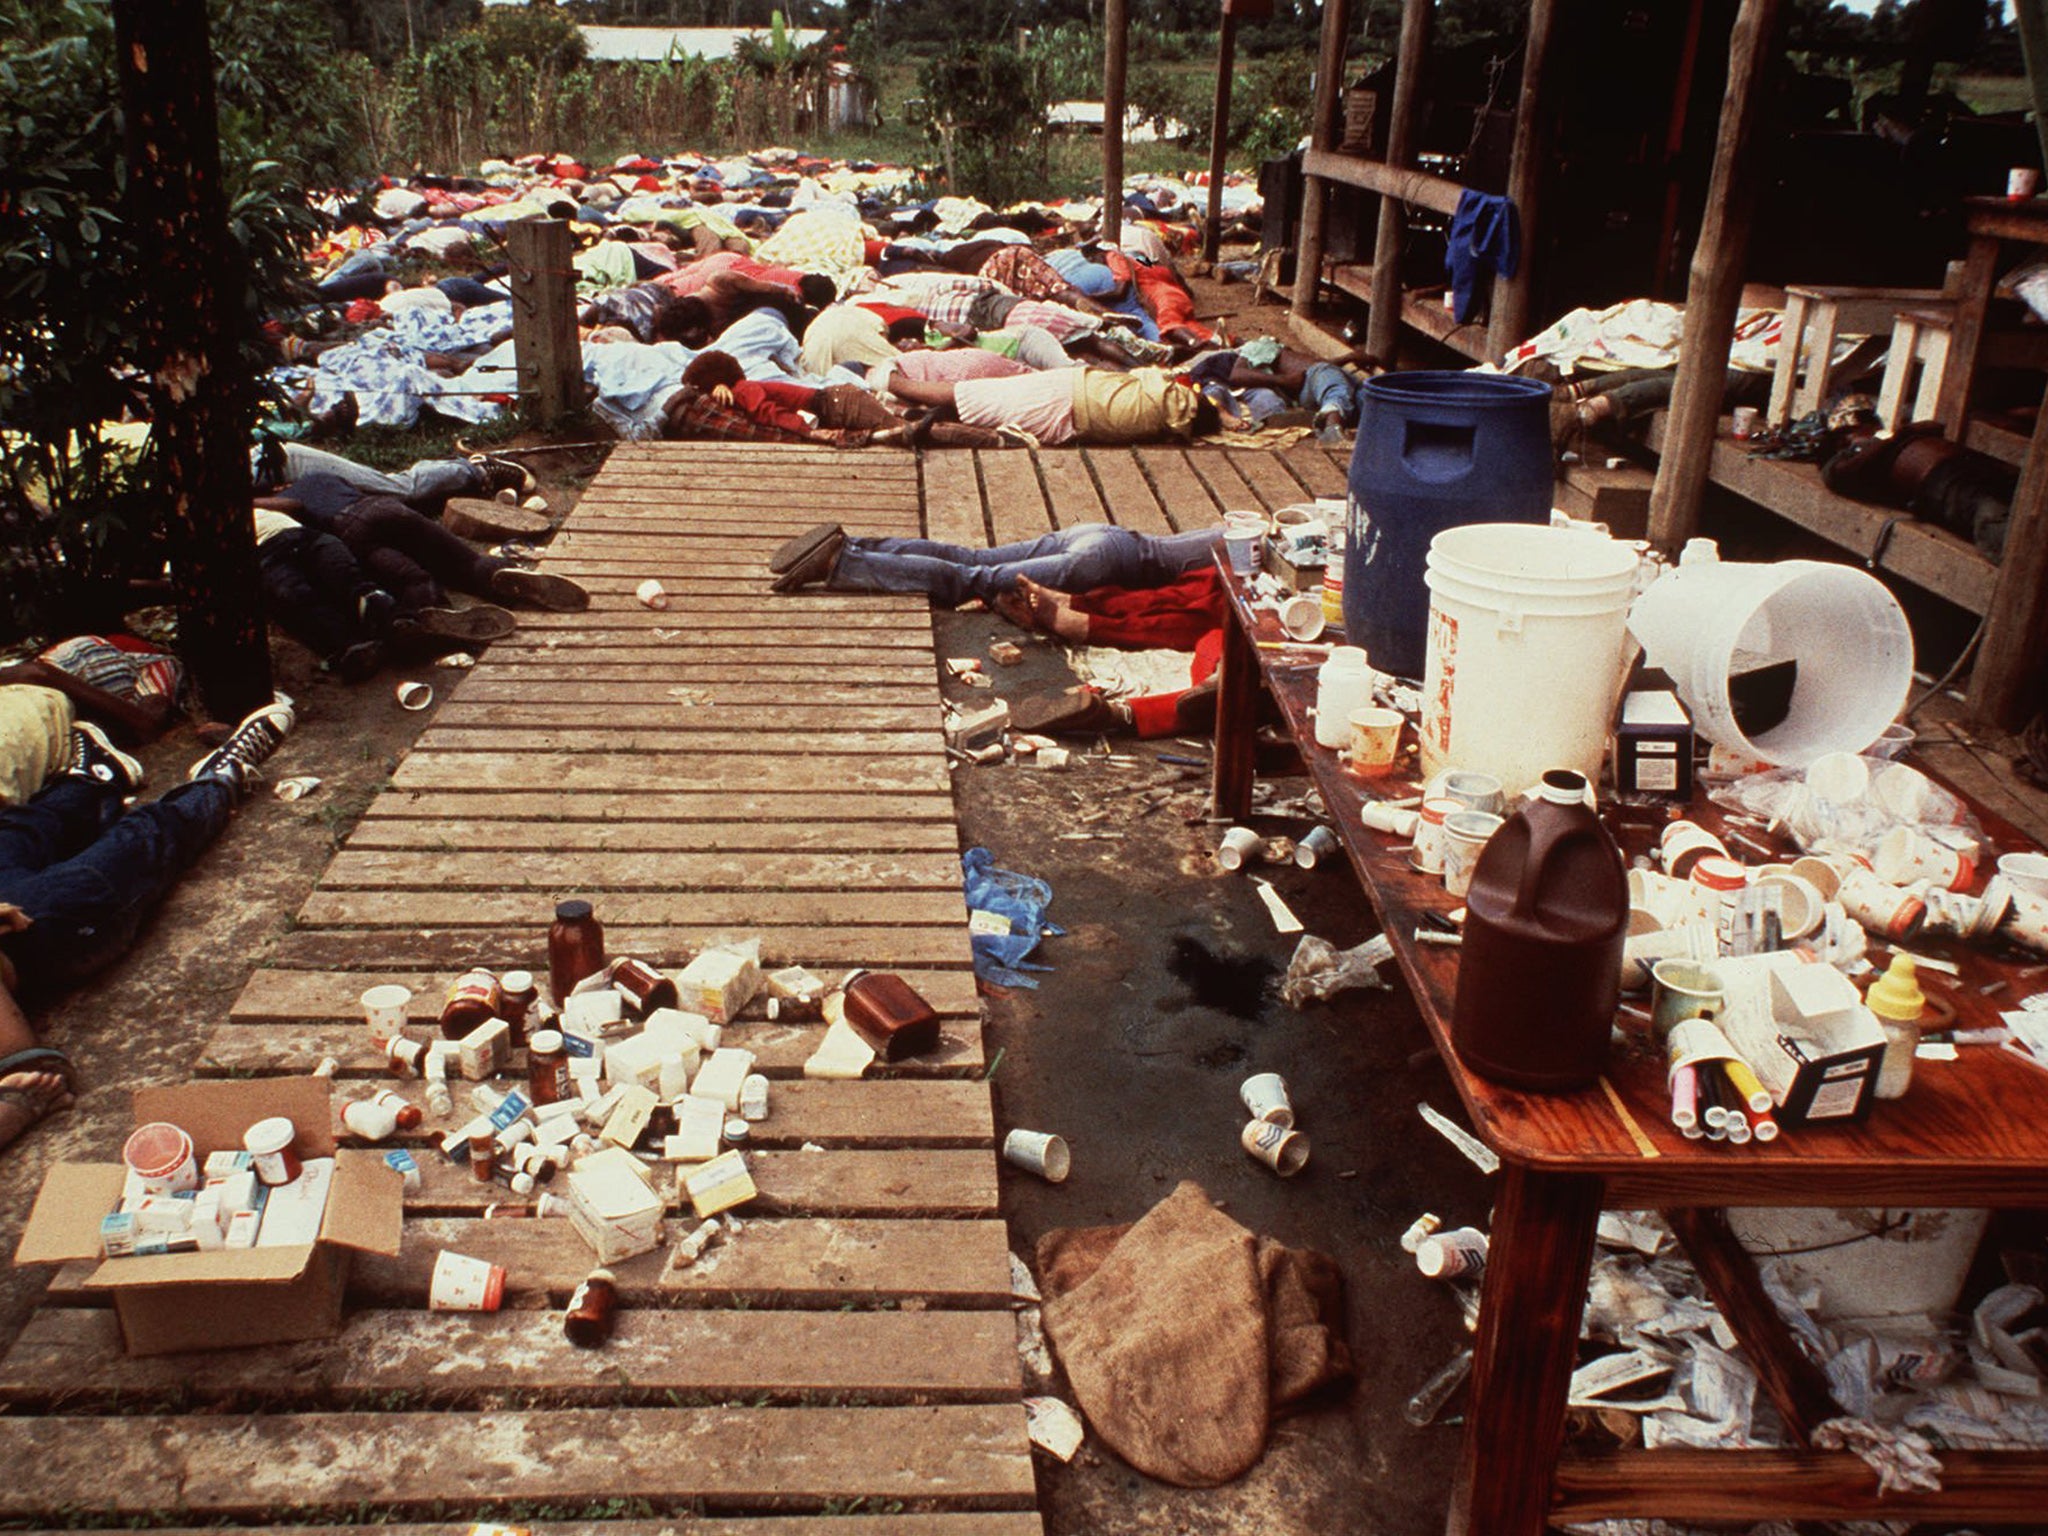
985, 111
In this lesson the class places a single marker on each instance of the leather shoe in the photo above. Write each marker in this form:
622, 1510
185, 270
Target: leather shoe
800, 548
814, 565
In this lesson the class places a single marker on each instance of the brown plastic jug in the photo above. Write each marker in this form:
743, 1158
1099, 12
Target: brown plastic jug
1539, 972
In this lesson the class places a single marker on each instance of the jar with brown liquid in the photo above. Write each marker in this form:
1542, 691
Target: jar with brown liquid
593, 1310
575, 948
473, 1001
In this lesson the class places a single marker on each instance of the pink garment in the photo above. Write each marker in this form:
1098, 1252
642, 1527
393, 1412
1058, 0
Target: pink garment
1042, 403
952, 364
1056, 318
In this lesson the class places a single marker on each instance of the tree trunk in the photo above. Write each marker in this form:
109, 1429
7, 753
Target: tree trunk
187, 319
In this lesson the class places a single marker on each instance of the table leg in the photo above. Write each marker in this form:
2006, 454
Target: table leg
1237, 720
1980, 272
1537, 1266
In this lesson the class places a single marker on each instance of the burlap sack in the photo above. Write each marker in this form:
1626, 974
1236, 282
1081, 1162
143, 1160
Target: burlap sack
1182, 1334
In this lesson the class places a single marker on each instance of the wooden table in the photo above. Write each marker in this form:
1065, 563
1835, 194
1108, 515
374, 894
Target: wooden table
1970, 1133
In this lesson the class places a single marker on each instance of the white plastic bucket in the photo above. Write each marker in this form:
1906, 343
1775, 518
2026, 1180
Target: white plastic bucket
1870, 1263
1526, 632
1846, 632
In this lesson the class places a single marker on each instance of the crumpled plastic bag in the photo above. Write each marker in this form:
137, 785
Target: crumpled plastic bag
1320, 970
1005, 919
1889, 795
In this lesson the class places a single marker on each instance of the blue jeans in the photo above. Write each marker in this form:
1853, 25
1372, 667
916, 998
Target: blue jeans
1329, 388
88, 882
427, 483
1071, 560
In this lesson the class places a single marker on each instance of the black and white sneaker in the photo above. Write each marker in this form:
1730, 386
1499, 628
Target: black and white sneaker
98, 759
238, 758
502, 474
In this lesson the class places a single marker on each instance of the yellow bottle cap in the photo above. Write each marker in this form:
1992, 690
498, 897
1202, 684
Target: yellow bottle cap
1896, 994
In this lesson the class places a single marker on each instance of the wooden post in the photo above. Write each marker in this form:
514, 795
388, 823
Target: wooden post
188, 319
1507, 323
545, 343
1383, 323
1716, 284
1219, 131
1315, 193
1116, 29
2032, 18
2004, 683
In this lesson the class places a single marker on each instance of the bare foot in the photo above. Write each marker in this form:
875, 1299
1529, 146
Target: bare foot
27, 1098
1053, 611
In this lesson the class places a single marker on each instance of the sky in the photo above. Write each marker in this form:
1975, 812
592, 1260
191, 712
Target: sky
1865, 7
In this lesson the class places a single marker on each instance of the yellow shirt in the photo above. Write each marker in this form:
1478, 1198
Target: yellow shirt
1132, 407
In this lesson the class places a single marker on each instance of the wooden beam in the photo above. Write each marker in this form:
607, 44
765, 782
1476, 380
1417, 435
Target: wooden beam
2001, 1487
1508, 318
1315, 197
1383, 323
1219, 131
1439, 194
2031, 16
545, 344
2003, 683
187, 322
1716, 284
1116, 28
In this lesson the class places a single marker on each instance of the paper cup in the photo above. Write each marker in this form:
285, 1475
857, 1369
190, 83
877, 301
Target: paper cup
414, 695
1893, 744
2022, 181
1685, 843
1689, 941
1240, 846
160, 1155
1283, 1150
384, 1011
1459, 1254
1320, 844
1474, 791
1243, 550
1265, 1098
1820, 874
2025, 872
1882, 908
1680, 990
1038, 1152
2027, 921
463, 1284
1465, 837
1302, 616
1800, 904
1906, 855
1746, 417
651, 594
1375, 739
1427, 852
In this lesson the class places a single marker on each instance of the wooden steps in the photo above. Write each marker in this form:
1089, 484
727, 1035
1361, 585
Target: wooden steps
733, 766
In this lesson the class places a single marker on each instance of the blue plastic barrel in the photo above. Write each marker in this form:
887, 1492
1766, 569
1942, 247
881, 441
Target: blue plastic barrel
1435, 451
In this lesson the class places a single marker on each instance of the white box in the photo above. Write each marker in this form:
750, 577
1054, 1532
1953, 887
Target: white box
629, 1116
718, 984
292, 1212
722, 1075
611, 1244
638, 1058
699, 1123
485, 1050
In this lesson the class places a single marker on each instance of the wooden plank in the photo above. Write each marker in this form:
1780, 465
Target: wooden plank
1987, 1486
655, 712
366, 869
740, 642
990, 1524
1016, 502
287, 996
657, 836
1226, 486
1070, 489
584, 773
659, 741
249, 1466
820, 658
1313, 467
743, 616
952, 500
455, 949
74, 1356
770, 705
780, 1050
938, 1182
822, 1261
1437, 193
721, 806
686, 677
1181, 491
1265, 472
1126, 491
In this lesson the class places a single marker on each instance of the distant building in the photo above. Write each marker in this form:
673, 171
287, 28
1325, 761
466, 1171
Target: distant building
653, 44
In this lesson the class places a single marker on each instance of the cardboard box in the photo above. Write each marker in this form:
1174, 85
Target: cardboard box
230, 1297
1653, 746
1805, 1033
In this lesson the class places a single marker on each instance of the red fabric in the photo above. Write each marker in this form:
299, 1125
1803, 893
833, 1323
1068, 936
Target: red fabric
775, 404
1158, 714
891, 313
1176, 617
362, 311
648, 184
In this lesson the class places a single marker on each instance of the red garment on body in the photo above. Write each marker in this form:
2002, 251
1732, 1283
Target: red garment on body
1185, 614
775, 404
891, 313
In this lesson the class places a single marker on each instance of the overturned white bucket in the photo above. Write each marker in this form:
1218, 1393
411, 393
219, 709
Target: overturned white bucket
1707, 621
1527, 626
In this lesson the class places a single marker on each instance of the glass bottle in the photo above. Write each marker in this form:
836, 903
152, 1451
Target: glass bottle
575, 947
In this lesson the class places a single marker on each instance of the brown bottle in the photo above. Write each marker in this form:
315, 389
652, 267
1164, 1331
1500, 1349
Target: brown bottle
593, 1310
473, 1001
575, 948
547, 1068
1539, 972
887, 1012
519, 996
645, 988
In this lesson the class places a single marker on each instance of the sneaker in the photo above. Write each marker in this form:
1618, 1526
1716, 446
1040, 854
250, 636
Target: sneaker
359, 663
98, 759
481, 622
542, 590
237, 758
502, 474
376, 609
1330, 428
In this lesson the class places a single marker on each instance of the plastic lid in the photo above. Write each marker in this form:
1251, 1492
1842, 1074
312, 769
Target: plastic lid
157, 1149
597, 1274
546, 1043
519, 981
572, 911
1896, 994
267, 1136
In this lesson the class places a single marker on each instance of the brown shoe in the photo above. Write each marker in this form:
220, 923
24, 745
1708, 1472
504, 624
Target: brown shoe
812, 567
538, 588
479, 623
1080, 713
803, 546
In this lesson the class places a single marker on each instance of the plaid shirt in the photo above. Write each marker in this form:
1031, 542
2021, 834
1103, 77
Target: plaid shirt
127, 670
704, 417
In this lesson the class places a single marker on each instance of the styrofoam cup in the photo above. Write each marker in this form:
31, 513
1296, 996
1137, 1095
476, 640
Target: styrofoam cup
1375, 738
1265, 1098
1319, 844
2025, 871
384, 1010
1039, 1152
1906, 854
1240, 846
1465, 837
1302, 616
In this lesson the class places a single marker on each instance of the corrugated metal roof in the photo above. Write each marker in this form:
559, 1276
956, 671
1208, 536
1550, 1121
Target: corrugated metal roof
654, 43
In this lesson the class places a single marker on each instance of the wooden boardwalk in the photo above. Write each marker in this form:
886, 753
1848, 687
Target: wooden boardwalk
733, 766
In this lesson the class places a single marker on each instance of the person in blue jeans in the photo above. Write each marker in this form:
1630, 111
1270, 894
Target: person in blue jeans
1077, 559
79, 877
